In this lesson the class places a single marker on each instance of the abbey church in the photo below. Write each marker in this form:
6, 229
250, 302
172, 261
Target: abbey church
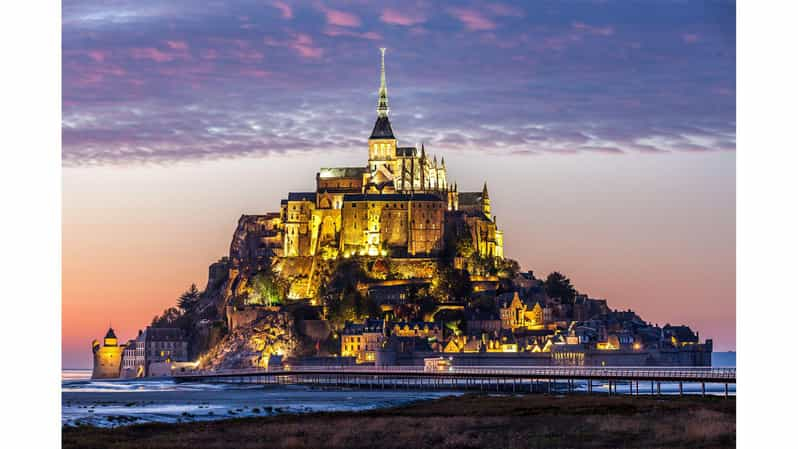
400, 203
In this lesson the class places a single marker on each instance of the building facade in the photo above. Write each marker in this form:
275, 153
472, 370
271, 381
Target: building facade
397, 204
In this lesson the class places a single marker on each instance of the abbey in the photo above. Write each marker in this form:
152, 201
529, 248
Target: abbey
400, 203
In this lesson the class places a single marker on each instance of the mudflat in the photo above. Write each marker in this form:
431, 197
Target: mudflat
468, 421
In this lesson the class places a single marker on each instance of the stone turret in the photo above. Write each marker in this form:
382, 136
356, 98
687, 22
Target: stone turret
108, 357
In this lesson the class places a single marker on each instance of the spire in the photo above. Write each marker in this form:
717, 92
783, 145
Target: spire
382, 127
485, 200
443, 162
382, 102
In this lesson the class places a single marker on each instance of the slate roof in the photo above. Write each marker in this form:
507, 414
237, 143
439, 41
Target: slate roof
302, 196
469, 198
382, 129
164, 333
405, 151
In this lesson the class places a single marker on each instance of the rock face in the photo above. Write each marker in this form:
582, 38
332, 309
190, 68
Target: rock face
251, 346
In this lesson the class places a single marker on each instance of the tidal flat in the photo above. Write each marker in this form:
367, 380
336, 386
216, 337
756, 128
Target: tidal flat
467, 421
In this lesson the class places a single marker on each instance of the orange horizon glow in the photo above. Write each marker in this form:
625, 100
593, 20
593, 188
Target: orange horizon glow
654, 233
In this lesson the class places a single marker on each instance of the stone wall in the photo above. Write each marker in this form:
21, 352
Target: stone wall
107, 361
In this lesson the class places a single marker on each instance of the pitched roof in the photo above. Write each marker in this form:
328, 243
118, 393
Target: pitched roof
302, 196
163, 333
405, 151
382, 129
469, 198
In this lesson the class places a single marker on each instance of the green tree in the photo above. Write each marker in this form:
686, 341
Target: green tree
559, 286
189, 299
268, 289
452, 284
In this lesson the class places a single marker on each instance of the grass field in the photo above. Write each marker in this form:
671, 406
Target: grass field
470, 421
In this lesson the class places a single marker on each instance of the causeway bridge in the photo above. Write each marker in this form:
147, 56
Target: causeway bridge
551, 379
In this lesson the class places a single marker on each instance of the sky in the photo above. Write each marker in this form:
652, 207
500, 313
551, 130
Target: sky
605, 131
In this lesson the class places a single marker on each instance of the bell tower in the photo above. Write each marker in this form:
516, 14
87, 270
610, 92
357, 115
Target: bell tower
382, 143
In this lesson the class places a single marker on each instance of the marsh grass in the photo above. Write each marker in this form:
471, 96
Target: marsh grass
470, 421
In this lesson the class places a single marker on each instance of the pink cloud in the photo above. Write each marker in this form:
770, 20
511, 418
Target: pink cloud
285, 9
98, 55
255, 73
303, 44
209, 54
335, 32
395, 17
177, 45
599, 31
151, 53
472, 19
689, 38
300, 43
340, 18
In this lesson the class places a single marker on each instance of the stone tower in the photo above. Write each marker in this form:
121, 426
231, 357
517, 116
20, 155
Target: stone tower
382, 143
108, 357
485, 200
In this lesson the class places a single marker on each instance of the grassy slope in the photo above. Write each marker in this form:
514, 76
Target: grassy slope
471, 421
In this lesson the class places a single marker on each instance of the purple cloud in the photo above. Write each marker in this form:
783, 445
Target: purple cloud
144, 81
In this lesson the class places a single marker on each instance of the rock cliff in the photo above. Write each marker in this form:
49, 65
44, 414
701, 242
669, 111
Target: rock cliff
250, 346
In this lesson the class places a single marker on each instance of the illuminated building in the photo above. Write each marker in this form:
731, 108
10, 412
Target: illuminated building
362, 340
107, 357
398, 203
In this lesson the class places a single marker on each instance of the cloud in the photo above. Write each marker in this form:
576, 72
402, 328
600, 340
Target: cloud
499, 9
98, 55
690, 38
396, 17
184, 83
340, 18
335, 32
285, 9
597, 31
301, 43
177, 45
472, 19
150, 53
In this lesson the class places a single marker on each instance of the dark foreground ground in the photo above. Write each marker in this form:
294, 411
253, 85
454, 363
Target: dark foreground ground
470, 421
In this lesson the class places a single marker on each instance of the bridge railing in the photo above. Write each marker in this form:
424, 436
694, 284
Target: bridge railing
685, 373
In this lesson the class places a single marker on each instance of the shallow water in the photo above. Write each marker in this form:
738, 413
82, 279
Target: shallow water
121, 402
111, 403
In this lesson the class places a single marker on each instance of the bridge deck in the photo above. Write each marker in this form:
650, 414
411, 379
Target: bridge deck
656, 374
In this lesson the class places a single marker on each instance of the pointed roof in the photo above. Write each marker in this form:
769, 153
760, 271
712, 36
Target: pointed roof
110, 333
485, 191
382, 127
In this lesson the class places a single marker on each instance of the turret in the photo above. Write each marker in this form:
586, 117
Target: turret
110, 338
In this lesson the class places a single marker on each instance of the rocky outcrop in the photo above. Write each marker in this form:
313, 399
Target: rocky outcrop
250, 346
